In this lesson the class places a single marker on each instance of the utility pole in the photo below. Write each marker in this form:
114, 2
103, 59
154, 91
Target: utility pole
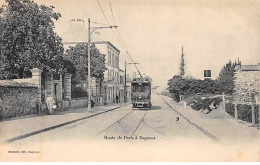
89, 81
182, 72
125, 78
125, 84
90, 31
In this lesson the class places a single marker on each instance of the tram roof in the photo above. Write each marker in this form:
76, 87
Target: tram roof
142, 80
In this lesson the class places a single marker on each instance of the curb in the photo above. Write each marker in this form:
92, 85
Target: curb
56, 126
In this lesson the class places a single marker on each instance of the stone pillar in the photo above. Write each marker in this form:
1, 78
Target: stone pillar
49, 85
67, 86
59, 95
36, 79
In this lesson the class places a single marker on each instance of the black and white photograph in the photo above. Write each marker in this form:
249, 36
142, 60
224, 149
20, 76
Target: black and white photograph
129, 80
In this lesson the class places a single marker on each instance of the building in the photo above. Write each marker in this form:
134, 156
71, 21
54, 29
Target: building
106, 91
246, 83
121, 85
128, 87
112, 85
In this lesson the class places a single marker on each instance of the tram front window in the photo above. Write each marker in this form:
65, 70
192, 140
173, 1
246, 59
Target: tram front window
137, 88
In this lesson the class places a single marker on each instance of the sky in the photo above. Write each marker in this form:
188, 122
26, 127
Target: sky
212, 32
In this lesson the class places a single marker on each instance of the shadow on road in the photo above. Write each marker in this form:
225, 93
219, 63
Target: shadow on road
152, 108
156, 107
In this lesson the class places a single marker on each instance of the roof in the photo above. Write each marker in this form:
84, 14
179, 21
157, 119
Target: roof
145, 79
106, 42
250, 67
96, 42
77, 33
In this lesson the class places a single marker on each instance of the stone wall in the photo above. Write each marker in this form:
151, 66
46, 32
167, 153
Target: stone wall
246, 82
74, 103
79, 102
18, 101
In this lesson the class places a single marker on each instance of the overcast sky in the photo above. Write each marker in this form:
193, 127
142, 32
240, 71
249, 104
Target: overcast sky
211, 31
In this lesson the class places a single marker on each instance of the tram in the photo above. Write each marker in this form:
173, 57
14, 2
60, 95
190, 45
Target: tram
141, 93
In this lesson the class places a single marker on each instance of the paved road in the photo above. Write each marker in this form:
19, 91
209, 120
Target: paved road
132, 135
159, 123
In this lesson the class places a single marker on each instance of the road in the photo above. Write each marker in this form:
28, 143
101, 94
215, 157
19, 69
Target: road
161, 122
163, 129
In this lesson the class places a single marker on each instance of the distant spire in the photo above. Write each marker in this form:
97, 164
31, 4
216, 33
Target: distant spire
182, 72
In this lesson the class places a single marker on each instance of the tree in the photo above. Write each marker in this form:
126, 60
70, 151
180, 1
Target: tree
177, 86
190, 86
27, 39
226, 77
78, 55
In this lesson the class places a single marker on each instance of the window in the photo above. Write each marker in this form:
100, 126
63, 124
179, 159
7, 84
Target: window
109, 57
140, 87
117, 61
113, 58
109, 92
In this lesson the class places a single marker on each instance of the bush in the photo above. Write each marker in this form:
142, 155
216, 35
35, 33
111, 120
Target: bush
244, 111
230, 109
217, 101
187, 87
78, 92
199, 104
191, 99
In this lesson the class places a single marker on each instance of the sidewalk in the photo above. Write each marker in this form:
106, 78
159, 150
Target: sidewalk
31, 124
218, 123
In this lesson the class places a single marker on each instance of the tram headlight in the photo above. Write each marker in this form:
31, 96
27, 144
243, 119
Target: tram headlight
140, 98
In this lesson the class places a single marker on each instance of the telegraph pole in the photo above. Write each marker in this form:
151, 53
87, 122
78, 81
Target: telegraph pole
90, 31
125, 78
89, 81
125, 84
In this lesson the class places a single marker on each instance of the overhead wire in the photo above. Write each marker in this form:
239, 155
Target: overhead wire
124, 44
112, 12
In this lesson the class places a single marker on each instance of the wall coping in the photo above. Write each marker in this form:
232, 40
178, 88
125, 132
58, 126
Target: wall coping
10, 83
80, 98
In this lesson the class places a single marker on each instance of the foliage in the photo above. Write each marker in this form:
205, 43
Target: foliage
179, 85
226, 77
244, 111
27, 39
206, 103
190, 86
78, 55
191, 99
70, 68
78, 92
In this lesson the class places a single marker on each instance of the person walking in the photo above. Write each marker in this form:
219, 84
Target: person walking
50, 103
116, 99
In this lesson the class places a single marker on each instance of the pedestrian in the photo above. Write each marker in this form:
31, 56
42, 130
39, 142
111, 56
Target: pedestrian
50, 104
116, 99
